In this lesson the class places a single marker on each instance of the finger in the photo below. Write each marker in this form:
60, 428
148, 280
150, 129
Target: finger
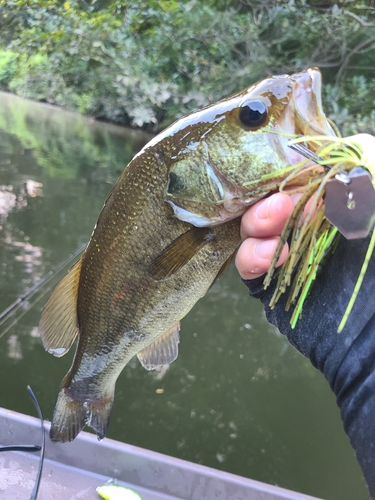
267, 217
255, 255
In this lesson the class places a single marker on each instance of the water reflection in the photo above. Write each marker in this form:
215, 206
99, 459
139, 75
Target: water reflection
7, 200
14, 347
239, 397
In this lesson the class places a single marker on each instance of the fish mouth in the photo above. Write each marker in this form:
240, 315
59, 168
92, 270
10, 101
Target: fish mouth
304, 115
307, 98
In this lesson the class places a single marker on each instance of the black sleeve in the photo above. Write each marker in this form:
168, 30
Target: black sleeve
347, 359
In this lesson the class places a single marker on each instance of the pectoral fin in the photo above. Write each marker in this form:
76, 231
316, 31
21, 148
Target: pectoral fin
178, 253
163, 351
59, 324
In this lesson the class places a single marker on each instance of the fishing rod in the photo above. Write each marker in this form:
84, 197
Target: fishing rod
25, 298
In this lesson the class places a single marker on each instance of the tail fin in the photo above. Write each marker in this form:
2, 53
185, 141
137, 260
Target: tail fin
71, 415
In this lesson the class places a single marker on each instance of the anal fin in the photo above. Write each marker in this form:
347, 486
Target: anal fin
162, 351
59, 324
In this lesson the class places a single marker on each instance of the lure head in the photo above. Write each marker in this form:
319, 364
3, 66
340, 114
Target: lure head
239, 140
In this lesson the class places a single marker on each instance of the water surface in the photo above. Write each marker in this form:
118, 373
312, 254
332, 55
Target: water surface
239, 398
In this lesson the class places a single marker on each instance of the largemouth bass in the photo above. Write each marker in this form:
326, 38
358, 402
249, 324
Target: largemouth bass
167, 230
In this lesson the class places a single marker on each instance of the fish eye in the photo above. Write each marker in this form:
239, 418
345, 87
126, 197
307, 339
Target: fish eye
253, 114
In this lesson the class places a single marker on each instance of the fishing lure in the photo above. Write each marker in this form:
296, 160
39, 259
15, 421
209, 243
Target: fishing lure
312, 236
111, 491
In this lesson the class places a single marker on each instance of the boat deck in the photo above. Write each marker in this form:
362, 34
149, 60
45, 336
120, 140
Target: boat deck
73, 471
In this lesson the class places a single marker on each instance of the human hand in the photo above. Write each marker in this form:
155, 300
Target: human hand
263, 222
261, 227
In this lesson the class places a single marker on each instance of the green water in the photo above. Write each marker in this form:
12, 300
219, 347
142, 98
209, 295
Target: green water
239, 398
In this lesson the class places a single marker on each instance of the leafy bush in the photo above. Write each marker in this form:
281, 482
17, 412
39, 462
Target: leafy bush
8, 67
145, 63
352, 105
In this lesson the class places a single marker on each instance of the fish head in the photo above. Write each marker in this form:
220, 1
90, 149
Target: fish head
239, 140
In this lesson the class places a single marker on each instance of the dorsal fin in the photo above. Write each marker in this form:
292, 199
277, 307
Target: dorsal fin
163, 351
179, 252
58, 325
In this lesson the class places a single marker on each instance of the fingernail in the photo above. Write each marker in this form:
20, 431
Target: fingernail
266, 249
263, 210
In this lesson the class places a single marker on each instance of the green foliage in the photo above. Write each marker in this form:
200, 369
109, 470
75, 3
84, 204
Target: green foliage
8, 67
145, 63
352, 105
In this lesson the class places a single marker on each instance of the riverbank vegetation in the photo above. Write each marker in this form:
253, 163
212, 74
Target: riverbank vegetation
147, 62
